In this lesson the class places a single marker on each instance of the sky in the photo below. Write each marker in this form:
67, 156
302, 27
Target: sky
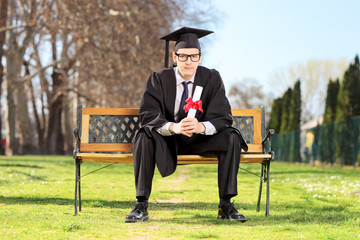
255, 39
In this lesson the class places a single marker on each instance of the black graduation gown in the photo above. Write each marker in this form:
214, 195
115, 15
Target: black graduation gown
157, 108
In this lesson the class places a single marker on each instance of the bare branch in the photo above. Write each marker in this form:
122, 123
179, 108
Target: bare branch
9, 28
30, 76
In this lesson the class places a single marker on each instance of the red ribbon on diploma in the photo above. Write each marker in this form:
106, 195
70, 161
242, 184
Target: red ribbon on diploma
197, 105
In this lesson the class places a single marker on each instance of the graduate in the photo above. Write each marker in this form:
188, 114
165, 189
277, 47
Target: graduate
167, 131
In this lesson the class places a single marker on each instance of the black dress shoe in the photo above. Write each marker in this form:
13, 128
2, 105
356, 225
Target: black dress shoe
228, 211
138, 214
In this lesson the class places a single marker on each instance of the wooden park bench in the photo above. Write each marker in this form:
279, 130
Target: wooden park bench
105, 135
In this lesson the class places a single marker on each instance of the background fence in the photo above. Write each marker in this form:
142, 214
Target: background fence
328, 143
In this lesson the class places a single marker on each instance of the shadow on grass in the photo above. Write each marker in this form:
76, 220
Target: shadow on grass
109, 204
33, 161
260, 220
306, 172
64, 201
96, 203
20, 165
30, 176
317, 215
183, 213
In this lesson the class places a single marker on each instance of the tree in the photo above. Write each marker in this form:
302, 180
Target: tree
331, 101
295, 108
286, 116
348, 106
3, 17
326, 135
250, 95
349, 95
294, 122
275, 116
95, 53
286, 111
17, 41
247, 95
283, 144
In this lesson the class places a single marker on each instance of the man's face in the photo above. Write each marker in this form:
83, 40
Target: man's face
188, 67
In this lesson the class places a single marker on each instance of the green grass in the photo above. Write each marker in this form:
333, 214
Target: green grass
306, 202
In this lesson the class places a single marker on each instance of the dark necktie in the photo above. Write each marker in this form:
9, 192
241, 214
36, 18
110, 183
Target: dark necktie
184, 96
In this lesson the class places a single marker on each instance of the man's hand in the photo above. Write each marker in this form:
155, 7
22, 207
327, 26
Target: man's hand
187, 127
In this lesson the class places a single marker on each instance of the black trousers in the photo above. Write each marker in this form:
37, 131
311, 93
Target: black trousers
228, 166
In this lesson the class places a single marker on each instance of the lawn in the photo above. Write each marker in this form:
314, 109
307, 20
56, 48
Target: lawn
306, 202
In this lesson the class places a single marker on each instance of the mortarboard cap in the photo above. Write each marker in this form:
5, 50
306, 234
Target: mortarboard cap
185, 38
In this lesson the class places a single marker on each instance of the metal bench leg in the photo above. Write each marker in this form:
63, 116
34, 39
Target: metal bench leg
79, 182
267, 189
260, 188
77, 186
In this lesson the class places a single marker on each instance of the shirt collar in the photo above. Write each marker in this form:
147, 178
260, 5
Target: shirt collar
179, 79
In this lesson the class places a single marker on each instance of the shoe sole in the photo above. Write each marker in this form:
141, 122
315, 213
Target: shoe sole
134, 220
242, 220
231, 219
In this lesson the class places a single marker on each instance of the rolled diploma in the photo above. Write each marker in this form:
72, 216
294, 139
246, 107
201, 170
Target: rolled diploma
197, 95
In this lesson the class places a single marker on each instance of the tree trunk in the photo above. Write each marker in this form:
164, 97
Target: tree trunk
42, 117
55, 136
3, 17
68, 126
22, 119
11, 141
38, 124
18, 114
2, 150
24, 126
13, 68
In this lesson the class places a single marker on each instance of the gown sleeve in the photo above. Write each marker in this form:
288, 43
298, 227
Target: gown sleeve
152, 106
218, 110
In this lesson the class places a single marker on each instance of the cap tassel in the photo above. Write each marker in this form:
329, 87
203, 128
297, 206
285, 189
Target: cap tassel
166, 53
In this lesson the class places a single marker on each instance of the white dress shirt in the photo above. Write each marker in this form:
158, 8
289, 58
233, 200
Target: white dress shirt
164, 130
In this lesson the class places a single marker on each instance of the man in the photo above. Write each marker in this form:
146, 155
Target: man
166, 132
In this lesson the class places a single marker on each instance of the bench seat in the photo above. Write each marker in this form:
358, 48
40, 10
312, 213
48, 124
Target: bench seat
182, 159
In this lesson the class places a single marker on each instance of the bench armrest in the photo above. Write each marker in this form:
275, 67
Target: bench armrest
269, 134
77, 141
267, 138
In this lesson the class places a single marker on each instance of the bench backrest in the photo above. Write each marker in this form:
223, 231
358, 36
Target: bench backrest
113, 129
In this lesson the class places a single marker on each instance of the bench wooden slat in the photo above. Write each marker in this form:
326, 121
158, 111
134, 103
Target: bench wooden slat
246, 112
180, 162
135, 111
182, 159
108, 160
257, 129
110, 111
85, 127
106, 147
185, 162
127, 147
243, 156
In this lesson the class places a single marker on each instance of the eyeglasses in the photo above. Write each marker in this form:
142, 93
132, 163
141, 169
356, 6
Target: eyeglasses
184, 57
